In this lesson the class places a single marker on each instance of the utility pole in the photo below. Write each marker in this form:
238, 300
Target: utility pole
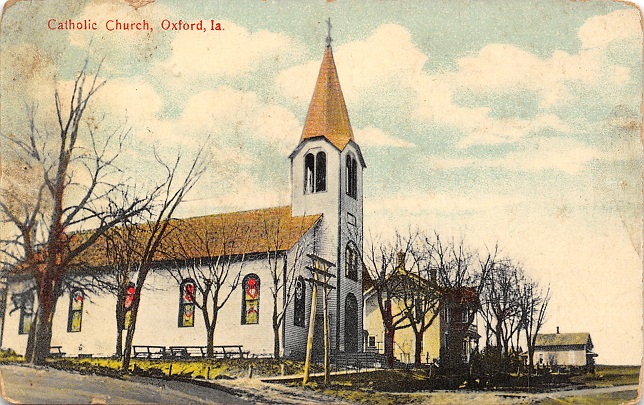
320, 268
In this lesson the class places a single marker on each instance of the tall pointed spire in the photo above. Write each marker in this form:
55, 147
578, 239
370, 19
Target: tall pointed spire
328, 116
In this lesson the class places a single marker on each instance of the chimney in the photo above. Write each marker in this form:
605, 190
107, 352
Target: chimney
557, 330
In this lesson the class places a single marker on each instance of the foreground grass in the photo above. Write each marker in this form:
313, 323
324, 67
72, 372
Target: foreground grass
606, 376
206, 369
614, 398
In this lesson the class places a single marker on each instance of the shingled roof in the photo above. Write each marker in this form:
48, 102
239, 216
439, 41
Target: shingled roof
562, 339
328, 116
228, 234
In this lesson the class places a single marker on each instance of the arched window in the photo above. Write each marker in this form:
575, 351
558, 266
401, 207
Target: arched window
351, 262
352, 176
300, 302
187, 303
26, 303
309, 170
75, 317
250, 300
320, 172
314, 172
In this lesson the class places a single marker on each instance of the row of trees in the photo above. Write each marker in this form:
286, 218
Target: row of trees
416, 275
69, 165
71, 168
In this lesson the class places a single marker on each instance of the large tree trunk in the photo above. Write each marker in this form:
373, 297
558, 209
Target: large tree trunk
120, 325
390, 331
43, 332
418, 352
276, 332
48, 292
129, 337
31, 339
389, 345
210, 337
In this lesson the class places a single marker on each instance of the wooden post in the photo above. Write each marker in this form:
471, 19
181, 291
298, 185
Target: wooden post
309, 340
327, 372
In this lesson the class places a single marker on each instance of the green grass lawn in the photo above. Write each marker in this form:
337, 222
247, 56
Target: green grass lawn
606, 375
614, 398
207, 369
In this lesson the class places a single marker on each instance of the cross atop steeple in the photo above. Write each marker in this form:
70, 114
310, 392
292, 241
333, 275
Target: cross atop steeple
328, 35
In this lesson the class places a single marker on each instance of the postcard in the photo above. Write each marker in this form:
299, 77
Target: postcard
321, 202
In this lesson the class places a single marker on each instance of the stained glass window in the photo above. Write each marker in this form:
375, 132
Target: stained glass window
299, 302
130, 291
187, 304
75, 317
250, 300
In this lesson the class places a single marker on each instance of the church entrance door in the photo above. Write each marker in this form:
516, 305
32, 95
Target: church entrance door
351, 334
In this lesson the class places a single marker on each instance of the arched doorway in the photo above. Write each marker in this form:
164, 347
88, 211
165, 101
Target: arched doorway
351, 334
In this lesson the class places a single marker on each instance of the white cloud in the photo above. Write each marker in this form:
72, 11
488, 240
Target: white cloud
231, 52
562, 154
384, 61
370, 136
124, 47
239, 117
599, 31
128, 98
389, 64
537, 154
233, 196
486, 130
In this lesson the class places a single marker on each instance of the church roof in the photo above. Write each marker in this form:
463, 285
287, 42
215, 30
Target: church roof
229, 234
562, 339
328, 116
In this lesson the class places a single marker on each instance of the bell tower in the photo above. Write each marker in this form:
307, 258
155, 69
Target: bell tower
326, 178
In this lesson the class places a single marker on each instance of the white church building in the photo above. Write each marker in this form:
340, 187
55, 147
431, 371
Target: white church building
325, 219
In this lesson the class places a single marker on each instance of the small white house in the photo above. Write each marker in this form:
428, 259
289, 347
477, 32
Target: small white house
564, 349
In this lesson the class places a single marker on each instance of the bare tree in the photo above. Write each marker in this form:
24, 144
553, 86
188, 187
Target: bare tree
63, 201
283, 266
534, 303
502, 306
419, 292
460, 276
382, 261
211, 255
122, 251
173, 190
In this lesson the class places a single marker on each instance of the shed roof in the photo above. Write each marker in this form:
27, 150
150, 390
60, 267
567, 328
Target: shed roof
562, 339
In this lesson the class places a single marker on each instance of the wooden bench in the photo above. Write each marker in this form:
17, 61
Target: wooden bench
184, 352
56, 351
150, 352
230, 351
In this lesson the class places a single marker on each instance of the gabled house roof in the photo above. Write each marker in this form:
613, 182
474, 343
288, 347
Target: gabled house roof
228, 234
563, 339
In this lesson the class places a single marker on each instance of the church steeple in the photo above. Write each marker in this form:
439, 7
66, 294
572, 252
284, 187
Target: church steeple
328, 116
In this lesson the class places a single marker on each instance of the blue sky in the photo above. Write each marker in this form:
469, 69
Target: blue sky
495, 121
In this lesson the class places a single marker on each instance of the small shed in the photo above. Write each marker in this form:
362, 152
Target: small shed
564, 349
